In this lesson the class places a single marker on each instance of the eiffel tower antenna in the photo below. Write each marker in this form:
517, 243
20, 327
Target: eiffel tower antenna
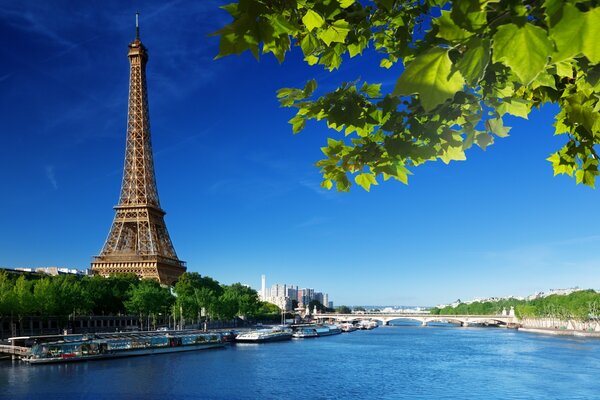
137, 25
138, 241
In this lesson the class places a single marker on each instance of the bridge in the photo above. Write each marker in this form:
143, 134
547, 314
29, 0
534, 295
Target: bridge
424, 319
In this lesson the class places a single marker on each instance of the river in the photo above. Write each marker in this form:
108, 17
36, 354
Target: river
396, 362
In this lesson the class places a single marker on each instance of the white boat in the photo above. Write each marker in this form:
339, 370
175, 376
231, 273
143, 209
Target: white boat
327, 330
305, 333
366, 324
347, 327
264, 335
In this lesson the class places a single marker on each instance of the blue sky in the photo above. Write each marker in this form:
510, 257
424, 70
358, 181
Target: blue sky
241, 193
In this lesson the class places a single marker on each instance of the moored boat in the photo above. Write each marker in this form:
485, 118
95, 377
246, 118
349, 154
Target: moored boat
305, 333
121, 345
264, 335
366, 324
347, 327
327, 330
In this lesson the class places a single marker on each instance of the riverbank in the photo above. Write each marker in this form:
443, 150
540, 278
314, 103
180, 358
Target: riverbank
560, 332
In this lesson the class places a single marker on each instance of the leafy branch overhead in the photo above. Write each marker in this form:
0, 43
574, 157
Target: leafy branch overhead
465, 65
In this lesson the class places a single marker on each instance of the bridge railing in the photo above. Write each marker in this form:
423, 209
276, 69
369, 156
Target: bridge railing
14, 350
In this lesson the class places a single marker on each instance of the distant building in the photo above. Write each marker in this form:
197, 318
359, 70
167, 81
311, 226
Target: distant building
282, 295
53, 271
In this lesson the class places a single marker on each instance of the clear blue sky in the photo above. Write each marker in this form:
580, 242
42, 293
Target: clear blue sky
241, 193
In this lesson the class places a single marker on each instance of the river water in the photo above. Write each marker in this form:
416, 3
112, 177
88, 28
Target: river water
396, 362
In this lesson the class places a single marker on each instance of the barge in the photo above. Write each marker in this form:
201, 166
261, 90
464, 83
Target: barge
103, 346
264, 336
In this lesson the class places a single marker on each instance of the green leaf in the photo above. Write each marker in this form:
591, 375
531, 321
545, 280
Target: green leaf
475, 60
309, 44
469, 14
373, 90
365, 180
516, 107
327, 184
559, 166
448, 30
335, 32
346, 3
586, 176
385, 63
282, 26
331, 59
298, 123
583, 115
309, 88
387, 4
496, 126
312, 20
231, 8
564, 69
430, 75
524, 49
577, 33
484, 139
453, 153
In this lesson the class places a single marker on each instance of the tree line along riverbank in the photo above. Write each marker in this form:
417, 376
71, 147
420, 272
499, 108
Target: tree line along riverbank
581, 305
193, 299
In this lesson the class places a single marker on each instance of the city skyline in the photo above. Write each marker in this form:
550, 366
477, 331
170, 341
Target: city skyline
241, 191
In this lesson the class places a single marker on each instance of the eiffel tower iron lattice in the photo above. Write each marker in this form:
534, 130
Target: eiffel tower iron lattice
138, 241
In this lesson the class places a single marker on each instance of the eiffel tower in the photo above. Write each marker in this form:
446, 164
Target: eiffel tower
138, 241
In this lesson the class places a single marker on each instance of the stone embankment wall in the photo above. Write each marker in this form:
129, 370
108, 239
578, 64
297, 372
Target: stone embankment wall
560, 324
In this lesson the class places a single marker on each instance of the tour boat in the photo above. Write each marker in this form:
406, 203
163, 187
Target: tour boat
264, 335
121, 345
347, 327
305, 333
366, 324
327, 330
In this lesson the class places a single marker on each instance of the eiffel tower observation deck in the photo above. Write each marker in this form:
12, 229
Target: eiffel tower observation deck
138, 241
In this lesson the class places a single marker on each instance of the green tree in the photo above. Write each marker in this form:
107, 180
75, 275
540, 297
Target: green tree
462, 66
108, 295
242, 299
8, 300
45, 297
268, 312
23, 297
343, 310
148, 299
195, 293
186, 301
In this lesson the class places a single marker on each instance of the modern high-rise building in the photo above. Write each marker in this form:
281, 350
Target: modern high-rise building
138, 241
278, 290
283, 295
263, 287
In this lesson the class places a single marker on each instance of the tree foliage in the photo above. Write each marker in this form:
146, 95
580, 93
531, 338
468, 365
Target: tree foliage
580, 305
147, 299
462, 67
65, 295
343, 310
196, 293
